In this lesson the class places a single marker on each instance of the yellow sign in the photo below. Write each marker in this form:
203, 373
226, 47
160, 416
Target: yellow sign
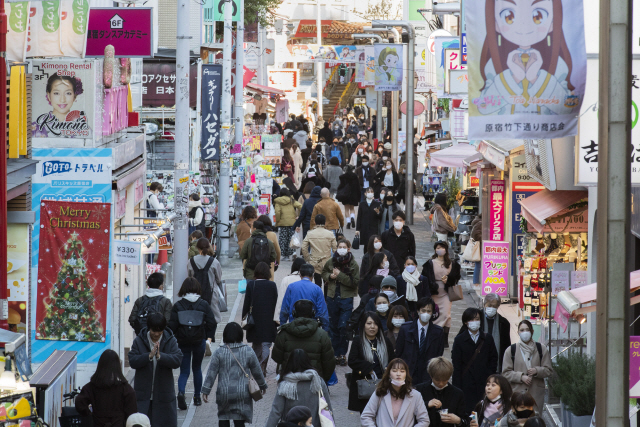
184, 179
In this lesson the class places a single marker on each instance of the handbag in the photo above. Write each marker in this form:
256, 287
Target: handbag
455, 293
248, 322
325, 415
367, 387
356, 242
472, 251
254, 389
222, 301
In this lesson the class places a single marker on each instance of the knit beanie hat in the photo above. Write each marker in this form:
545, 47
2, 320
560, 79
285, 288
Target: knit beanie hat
389, 281
298, 414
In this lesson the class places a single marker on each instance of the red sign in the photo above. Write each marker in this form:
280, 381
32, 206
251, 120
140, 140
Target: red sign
159, 84
475, 181
286, 80
128, 29
73, 271
308, 28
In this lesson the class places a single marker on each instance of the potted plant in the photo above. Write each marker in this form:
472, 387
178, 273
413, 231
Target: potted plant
574, 381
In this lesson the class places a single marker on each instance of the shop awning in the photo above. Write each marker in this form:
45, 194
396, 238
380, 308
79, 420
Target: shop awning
452, 156
545, 204
435, 144
472, 159
265, 89
497, 151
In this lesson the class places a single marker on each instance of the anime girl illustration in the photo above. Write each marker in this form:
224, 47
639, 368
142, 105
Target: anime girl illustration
386, 72
525, 63
61, 93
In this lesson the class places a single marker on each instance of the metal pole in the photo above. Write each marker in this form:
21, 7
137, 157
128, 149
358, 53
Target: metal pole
239, 105
319, 65
4, 312
614, 204
223, 199
262, 72
181, 165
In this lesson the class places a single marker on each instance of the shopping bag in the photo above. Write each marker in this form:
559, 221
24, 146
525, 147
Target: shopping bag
295, 242
242, 286
325, 415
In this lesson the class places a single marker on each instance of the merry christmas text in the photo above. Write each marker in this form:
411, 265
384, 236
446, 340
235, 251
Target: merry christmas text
69, 212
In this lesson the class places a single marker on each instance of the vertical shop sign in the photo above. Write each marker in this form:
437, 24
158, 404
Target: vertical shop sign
73, 27
495, 267
529, 82
496, 210
370, 68
442, 44
211, 95
388, 66
44, 29
18, 16
634, 367
360, 65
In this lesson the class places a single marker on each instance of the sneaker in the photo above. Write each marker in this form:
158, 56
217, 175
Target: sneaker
197, 401
343, 360
182, 402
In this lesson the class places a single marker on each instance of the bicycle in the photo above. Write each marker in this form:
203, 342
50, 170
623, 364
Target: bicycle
69, 416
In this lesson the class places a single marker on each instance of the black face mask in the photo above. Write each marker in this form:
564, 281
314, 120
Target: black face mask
524, 414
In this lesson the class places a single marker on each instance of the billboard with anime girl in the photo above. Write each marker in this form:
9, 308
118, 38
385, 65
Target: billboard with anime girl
527, 68
388, 66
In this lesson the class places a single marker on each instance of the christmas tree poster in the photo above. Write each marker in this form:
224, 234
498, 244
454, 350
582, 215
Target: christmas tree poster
73, 271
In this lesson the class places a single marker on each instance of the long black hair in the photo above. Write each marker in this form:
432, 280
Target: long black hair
376, 260
298, 361
370, 249
505, 391
445, 245
109, 371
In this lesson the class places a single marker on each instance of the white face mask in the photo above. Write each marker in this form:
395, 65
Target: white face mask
473, 325
382, 195
369, 196
342, 251
424, 317
386, 264
389, 293
410, 268
441, 252
382, 308
388, 167
525, 336
384, 157
352, 140
397, 383
490, 311
360, 151
377, 245
397, 322
398, 225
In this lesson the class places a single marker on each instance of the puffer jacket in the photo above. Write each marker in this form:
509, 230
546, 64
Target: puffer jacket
331, 211
286, 211
317, 247
442, 222
306, 334
348, 281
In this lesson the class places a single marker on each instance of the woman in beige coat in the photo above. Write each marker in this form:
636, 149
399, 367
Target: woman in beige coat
268, 228
297, 162
526, 365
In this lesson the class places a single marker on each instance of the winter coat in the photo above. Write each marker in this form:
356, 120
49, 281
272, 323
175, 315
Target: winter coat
162, 383
379, 412
442, 222
360, 369
422, 291
298, 163
349, 189
282, 289
110, 406
301, 138
317, 246
305, 153
365, 265
164, 307
473, 381
452, 280
245, 254
451, 398
286, 211
305, 397
386, 214
380, 180
261, 298
332, 175
511, 419
332, 212
187, 303
306, 334
408, 348
514, 369
342, 150
505, 334
368, 220
288, 168
215, 279
304, 289
243, 232
304, 218
326, 133
400, 246
348, 282
232, 395
369, 173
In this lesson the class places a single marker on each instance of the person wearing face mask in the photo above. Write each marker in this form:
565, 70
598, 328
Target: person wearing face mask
387, 176
368, 218
365, 174
341, 276
421, 340
442, 273
400, 241
381, 306
395, 402
152, 199
298, 416
445, 402
389, 208
412, 285
349, 195
496, 403
374, 247
398, 316
522, 409
442, 222
390, 288
527, 363
475, 359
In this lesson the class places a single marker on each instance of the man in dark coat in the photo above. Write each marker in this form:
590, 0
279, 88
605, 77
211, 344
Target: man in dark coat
366, 176
368, 218
325, 133
304, 218
154, 355
305, 333
399, 240
349, 188
420, 341
305, 153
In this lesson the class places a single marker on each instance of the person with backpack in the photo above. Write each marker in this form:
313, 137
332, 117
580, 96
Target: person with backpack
193, 324
243, 230
286, 207
257, 248
526, 364
196, 214
339, 151
208, 272
153, 301
304, 219
332, 175
193, 243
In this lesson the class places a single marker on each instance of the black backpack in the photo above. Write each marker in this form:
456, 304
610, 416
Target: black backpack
147, 306
259, 251
202, 276
191, 328
513, 352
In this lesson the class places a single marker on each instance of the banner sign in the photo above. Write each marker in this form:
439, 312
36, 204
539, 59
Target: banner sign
74, 20
496, 209
334, 55
308, 28
128, 29
445, 62
495, 267
159, 84
388, 66
287, 80
360, 65
370, 67
18, 15
72, 285
211, 96
18, 276
527, 68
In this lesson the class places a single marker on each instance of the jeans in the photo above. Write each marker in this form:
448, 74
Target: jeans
476, 272
339, 312
197, 351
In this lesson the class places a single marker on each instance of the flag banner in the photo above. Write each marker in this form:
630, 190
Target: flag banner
388, 66
211, 96
370, 67
332, 55
44, 29
18, 14
360, 65
527, 68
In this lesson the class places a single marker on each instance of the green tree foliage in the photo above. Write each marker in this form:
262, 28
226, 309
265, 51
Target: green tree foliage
262, 10
574, 382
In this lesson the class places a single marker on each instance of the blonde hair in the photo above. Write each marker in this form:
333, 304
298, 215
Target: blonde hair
440, 368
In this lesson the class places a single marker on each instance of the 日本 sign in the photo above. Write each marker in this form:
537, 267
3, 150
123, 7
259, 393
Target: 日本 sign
128, 29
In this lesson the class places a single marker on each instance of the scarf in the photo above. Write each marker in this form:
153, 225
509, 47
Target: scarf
342, 262
384, 272
288, 387
527, 351
411, 279
493, 408
496, 330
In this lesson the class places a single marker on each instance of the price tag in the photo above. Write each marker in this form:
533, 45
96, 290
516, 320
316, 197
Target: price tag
125, 252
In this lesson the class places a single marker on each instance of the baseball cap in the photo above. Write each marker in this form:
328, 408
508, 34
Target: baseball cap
138, 420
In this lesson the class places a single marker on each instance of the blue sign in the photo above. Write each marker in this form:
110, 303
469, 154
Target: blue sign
211, 96
518, 251
463, 48
516, 209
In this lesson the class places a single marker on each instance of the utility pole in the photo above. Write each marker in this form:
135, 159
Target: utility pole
378, 39
262, 69
239, 110
225, 133
182, 144
319, 65
614, 212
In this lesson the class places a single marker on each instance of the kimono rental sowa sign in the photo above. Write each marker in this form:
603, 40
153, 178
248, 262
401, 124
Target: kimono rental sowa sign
527, 68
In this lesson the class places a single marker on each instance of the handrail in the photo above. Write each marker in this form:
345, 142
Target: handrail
330, 77
346, 90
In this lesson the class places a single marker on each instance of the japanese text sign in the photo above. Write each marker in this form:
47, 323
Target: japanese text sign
559, 281
159, 84
388, 66
496, 209
211, 96
128, 29
634, 367
495, 267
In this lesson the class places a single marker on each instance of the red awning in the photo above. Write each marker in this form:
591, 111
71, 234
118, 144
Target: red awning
545, 204
265, 89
